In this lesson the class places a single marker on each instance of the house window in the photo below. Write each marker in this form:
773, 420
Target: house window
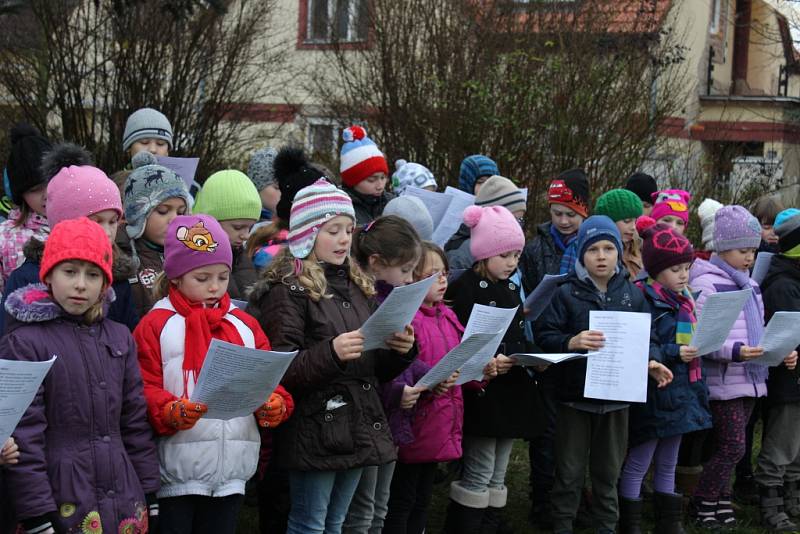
331, 21
715, 16
322, 136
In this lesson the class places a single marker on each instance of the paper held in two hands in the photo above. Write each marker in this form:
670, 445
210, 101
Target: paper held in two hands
719, 314
236, 380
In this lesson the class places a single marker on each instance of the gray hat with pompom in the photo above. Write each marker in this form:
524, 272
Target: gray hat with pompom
261, 169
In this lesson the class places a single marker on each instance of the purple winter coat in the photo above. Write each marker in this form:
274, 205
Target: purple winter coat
87, 450
438, 420
725, 373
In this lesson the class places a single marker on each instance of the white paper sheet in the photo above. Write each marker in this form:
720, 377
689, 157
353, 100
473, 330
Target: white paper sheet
485, 320
531, 359
454, 359
541, 296
236, 380
395, 312
761, 267
618, 371
716, 319
19, 382
781, 337
183, 167
453, 217
437, 203
241, 304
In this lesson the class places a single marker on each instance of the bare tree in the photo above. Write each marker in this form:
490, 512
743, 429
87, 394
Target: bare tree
78, 68
540, 86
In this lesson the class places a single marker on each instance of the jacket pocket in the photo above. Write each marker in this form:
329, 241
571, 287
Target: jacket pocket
337, 431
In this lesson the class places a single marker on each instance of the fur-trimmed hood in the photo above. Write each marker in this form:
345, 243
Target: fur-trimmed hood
33, 304
122, 268
255, 294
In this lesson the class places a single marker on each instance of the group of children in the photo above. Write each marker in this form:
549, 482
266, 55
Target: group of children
127, 283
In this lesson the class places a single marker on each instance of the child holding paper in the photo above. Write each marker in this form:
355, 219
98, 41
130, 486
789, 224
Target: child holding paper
656, 428
495, 412
204, 462
314, 299
88, 459
430, 432
153, 197
387, 249
777, 470
596, 283
734, 380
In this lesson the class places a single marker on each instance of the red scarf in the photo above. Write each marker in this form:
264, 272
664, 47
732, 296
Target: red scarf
202, 324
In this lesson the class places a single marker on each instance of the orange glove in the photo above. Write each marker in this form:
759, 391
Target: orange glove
182, 414
272, 412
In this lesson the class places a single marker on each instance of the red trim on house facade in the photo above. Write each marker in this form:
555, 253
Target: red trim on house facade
734, 131
254, 112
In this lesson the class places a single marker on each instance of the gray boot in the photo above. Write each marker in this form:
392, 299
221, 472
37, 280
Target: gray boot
771, 506
791, 498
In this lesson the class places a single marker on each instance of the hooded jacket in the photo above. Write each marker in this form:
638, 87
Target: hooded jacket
682, 406
339, 421
725, 372
122, 310
87, 450
568, 315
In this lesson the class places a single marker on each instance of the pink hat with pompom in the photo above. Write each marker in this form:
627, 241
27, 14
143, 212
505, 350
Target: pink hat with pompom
493, 231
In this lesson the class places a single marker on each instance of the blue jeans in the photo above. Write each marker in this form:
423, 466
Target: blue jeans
320, 500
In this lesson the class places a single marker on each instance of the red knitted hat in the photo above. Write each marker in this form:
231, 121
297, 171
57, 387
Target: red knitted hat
77, 239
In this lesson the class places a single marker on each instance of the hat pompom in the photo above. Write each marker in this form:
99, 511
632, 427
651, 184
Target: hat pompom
472, 215
143, 158
643, 224
354, 133
708, 208
399, 163
64, 155
22, 130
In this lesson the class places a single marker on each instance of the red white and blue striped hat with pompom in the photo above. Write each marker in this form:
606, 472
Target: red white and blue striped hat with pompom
360, 157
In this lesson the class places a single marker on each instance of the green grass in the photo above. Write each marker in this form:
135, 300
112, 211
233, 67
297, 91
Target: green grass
518, 503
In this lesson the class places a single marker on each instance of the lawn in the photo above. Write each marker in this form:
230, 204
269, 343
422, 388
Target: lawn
517, 511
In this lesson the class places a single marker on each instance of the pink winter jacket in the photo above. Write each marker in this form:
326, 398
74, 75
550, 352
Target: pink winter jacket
725, 373
439, 419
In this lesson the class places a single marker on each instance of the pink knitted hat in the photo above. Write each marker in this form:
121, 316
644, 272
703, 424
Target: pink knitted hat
494, 231
80, 191
671, 202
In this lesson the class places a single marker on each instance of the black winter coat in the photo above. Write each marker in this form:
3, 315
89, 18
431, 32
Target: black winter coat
540, 256
781, 292
367, 208
509, 405
568, 315
320, 436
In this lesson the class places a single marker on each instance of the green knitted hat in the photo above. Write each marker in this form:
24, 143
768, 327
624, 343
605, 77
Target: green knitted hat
619, 204
229, 195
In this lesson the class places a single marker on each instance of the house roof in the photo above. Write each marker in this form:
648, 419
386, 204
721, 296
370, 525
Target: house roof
611, 16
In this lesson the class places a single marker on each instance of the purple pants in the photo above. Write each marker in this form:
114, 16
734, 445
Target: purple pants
730, 422
664, 452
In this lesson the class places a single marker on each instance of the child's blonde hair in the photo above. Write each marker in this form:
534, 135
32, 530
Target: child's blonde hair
312, 276
161, 286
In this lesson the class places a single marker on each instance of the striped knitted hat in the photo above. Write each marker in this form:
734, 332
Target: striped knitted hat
500, 191
360, 157
313, 206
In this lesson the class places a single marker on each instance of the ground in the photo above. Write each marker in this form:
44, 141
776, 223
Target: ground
518, 504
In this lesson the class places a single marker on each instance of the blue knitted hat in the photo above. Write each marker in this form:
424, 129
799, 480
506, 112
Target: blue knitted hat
597, 228
472, 168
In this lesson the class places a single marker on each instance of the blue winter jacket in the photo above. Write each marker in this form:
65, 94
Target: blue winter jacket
682, 406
